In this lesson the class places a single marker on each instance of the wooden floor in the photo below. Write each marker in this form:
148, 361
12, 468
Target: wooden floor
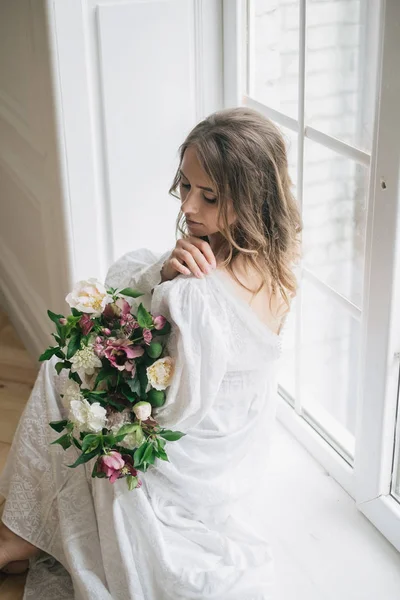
17, 376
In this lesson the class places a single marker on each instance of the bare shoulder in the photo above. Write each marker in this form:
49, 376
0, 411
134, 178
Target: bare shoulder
270, 307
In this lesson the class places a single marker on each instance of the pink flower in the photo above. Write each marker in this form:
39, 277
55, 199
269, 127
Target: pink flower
63, 321
147, 336
130, 366
86, 323
106, 331
159, 321
116, 465
111, 464
116, 309
99, 346
123, 305
120, 351
129, 323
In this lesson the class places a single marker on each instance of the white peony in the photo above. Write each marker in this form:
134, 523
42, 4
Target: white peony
71, 391
86, 416
89, 296
160, 373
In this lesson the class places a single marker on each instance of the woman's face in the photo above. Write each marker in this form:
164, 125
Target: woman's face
198, 198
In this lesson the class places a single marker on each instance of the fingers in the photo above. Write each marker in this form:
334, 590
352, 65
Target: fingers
178, 266
196, 254
205, 249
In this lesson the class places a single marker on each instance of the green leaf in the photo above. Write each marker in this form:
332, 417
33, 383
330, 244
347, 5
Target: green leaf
160, 443
55, 318
129, 396
134, 385
75, 312
139, 453
144, 318
132, 482
76, 443
128, 428
57, 338
64, 441
171, 436
115, 404
90, 440
74, 376
103, 374
74, 343
131, 292
143, 379
96, 396
162, 454
149, 456
86, 457
109, 439
59, 425
60, 366
47, 354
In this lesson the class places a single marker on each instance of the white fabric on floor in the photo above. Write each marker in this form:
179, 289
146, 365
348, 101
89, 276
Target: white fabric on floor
196, 527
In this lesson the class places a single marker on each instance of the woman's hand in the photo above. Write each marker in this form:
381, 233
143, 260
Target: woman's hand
190, 255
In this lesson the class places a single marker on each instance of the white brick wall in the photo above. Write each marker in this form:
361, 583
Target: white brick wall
335, 188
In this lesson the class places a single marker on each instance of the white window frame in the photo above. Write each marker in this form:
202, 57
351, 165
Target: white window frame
369, 480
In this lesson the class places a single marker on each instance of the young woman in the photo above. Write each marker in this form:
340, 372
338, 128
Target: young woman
196, 528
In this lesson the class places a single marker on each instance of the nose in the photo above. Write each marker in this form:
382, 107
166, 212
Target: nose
189, 206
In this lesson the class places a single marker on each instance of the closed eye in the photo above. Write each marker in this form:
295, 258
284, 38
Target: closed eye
209, 200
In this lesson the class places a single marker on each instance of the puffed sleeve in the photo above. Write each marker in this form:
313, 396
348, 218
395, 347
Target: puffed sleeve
197, 342
139, 269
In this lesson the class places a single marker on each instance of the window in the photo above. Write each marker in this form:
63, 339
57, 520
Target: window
321, 71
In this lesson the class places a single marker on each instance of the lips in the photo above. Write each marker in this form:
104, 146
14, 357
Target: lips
189, 221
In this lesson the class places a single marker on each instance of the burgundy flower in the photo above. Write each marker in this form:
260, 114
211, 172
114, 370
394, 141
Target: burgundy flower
120, 351
111, 464
116, 309
86, 323
116, 465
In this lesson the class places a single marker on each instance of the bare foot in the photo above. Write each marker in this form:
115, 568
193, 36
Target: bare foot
15, 567
14, 548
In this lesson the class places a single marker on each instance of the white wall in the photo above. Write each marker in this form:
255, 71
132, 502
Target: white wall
129, 81
33, 265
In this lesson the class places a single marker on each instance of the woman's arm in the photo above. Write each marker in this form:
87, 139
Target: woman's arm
139, 269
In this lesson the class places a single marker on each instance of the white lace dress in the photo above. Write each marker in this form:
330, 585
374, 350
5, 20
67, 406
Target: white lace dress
195, 529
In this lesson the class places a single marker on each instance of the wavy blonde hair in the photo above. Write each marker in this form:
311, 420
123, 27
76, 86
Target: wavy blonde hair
244, 155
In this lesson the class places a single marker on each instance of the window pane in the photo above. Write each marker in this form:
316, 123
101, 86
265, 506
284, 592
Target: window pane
396, 474
291, 139
287, 371
340, 59
329, 357
334, 218
273, 61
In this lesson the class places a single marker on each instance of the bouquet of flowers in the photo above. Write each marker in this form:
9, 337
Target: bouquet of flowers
117, 374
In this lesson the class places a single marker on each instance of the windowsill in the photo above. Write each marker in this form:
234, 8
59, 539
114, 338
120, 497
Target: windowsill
324, 548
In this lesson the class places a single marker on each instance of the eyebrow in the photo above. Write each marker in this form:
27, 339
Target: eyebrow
199, 186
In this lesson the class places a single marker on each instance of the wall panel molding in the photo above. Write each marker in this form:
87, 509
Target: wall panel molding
25, 307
